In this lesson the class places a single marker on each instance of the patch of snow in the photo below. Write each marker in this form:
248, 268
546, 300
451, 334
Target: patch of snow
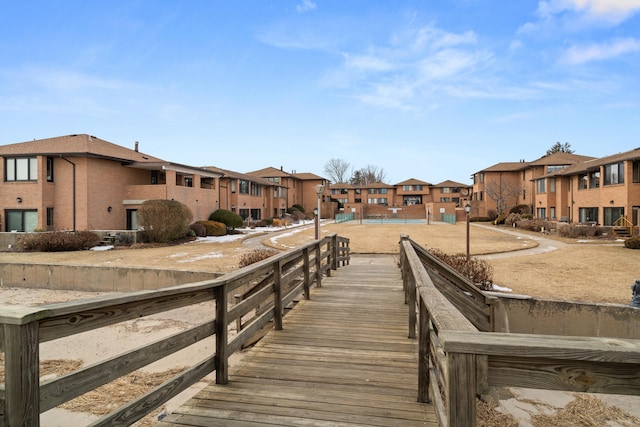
500, 288
201, 257
101, 248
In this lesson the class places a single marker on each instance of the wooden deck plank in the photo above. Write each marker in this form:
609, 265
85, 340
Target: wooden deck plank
342, 359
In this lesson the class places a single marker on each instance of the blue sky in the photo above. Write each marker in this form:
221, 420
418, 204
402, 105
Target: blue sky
432, 90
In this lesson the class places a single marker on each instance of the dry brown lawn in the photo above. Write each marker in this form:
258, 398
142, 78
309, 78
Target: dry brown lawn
596, 271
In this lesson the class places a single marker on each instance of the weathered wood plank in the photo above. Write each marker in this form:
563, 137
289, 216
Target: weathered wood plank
342, 358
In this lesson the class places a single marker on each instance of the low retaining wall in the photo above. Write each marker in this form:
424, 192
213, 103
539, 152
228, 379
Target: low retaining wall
95, 279
529, 315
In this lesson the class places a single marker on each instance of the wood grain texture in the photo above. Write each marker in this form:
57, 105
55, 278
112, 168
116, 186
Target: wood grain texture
342, 359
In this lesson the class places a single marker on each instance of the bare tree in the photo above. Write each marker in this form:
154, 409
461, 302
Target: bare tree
560, 148
337, 169
504, 192
367, 175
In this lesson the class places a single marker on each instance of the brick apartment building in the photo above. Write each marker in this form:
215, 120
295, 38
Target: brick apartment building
563, 187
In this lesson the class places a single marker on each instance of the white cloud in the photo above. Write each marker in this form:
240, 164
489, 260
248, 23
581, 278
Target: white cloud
305, 6
604, 11
601, 51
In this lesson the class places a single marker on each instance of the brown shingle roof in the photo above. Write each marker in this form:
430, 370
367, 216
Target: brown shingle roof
559, 159
451, 184
506, 167
76, 145
237, 175
412, 181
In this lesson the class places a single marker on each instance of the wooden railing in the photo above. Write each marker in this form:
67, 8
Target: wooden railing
623, 222
457, 362
281, 279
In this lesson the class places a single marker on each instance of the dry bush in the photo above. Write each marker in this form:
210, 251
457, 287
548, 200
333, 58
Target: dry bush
213, 228
478, 271
573, 231
256, 255
199, 229
587, 411
535, 224
57, 241
164, 220
488, 416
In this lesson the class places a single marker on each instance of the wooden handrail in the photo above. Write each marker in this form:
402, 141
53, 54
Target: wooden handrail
461, 362
281, 278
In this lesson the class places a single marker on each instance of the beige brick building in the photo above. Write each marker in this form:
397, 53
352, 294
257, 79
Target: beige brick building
563, 187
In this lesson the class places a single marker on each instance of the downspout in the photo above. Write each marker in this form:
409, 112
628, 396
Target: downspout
73, 176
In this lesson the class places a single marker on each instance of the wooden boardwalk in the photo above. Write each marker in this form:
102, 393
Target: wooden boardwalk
342, 359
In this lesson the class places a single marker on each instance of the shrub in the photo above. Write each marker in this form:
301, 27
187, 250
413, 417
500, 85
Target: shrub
298, 216
295, 208
534, 224
512, 218
500, 219
479, 219
478, 271
213, 228
256, 255
230, 219
164, 220
520, 209
58, 241
199, 229
632, 243
574, 231
123, 239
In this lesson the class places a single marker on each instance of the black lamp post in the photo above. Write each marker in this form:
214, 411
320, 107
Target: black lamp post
467, 210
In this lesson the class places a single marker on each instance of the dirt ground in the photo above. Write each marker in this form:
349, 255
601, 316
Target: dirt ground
581, 270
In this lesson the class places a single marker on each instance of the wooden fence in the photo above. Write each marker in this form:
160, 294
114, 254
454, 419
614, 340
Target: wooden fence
275, 282
458, 362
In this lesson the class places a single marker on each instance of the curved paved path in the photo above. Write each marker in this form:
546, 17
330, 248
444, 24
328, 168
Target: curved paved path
544, 244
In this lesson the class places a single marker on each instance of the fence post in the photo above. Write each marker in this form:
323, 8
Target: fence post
424, 347
461, 379
307, 275
22, 374
277, 296
318, 265
334, 252
222, 336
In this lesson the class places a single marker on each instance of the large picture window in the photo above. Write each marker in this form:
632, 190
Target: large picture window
586, 215
614, 174
21, 169
541, 186
611, 215
21, 220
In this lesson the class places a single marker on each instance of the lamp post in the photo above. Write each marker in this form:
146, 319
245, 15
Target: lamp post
319, 189
467, 210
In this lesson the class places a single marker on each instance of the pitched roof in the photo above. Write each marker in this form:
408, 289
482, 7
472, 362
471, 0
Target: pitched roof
595, 163
270, 172
340, 185
450, 184
307, 176
238, 175
412, 181
559, 159
76, 145
506, 167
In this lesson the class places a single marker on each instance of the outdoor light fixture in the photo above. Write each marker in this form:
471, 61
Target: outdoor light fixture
109, 209
19, 199
467, 210
319, 189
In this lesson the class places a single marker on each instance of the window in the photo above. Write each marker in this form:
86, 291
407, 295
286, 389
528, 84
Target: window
256, 190
524, 194
188, 181
49, 218
21, 220
614, 174
552, 185
594, 179
445, 190
343, 201
233, 186
586, 215
636, 171
344, 191
274, 179
445, 199
382, 201
541, 213
481, 177
49, 169
255, 214
553, 168
244, 213
21, 169
417, 187
611, 215
406, 188
541, 186
243, 186
283, 193
335, 191
552, 213
582, 181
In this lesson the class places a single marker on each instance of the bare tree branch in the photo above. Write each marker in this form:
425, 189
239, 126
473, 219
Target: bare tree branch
337, 169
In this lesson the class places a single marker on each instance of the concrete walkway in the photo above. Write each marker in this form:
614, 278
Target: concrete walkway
544, 244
